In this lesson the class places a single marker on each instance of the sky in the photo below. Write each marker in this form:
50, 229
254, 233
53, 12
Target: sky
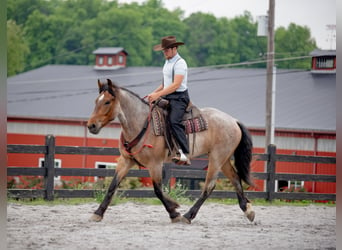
315, 14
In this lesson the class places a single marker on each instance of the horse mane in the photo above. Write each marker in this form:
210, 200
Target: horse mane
105, 87
134, 94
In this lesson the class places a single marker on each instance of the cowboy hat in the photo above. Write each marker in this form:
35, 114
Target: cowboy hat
167, 42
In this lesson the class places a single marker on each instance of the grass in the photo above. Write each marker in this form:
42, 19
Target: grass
57, 201
154, 201
177, 193
263, 202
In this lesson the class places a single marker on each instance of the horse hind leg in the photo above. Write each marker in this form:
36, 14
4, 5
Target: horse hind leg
209, 186
244, 203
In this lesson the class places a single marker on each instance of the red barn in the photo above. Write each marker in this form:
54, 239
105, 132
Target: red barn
110, 58
323, 61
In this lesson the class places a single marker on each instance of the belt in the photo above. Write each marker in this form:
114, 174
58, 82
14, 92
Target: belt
177, 94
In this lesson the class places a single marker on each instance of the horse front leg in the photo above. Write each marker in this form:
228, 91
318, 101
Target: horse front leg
121, 171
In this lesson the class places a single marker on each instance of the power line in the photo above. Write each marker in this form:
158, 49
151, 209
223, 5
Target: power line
252, 62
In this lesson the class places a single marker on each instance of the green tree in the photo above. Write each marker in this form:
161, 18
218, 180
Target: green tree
20, 10
121, 27
70, 49
68, 31
223, 47
161, 22
200, 35
17, 48
44, 32
248, 48
295, 41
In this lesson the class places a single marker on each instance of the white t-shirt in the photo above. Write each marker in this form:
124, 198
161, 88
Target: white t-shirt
179, 67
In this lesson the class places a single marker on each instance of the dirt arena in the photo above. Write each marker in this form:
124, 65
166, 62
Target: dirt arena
139, 226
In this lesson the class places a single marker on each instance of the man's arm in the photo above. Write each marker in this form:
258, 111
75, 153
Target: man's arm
160, 87
160, 91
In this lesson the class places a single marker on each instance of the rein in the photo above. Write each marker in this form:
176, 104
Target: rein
129, 145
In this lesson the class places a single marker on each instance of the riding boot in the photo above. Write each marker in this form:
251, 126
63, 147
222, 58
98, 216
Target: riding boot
181, 159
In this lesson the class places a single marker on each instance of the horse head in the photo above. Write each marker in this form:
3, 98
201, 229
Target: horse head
106, 107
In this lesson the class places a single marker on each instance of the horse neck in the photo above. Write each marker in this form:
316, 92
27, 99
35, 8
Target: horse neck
132, 115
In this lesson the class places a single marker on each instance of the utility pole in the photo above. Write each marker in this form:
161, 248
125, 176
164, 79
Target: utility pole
270, 71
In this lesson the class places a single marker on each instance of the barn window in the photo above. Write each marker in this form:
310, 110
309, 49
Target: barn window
296, 184
281, 185
288, 186
106, 165
58, 164
324, 62
100, 60
121, 59
110, 60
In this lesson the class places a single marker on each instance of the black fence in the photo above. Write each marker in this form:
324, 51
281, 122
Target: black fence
170, 171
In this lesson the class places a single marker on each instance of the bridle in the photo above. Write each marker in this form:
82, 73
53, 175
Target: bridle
128, 145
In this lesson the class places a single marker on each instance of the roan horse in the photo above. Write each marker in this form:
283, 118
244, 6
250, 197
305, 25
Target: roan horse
224, 138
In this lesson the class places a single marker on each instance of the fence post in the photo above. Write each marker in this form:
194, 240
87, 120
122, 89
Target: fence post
271, 166
49, 164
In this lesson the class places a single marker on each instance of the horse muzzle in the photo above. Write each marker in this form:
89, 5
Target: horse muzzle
93, 128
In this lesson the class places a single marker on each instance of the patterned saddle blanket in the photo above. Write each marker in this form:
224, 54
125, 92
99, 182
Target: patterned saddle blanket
192, 120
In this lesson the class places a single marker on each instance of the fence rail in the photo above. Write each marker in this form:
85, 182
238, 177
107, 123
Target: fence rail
170, 171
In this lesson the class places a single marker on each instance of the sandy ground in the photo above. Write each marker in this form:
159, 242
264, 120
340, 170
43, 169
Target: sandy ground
140, 226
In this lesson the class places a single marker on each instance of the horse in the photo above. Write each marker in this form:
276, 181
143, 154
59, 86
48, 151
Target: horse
225, 138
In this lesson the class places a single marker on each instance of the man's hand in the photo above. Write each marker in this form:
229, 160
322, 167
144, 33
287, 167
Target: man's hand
161, 91
153, 97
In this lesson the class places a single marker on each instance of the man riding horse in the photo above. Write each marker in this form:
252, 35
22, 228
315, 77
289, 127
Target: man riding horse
174, 88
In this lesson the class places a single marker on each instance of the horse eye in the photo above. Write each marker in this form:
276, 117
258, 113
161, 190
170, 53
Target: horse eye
107, 102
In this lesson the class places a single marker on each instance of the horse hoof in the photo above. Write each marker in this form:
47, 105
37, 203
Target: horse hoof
251, 216
186, 220
176, 219
180, 219
96, 218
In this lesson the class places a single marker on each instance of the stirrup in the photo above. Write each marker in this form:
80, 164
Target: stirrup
179, 160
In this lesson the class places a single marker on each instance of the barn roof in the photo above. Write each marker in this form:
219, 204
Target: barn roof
304, 101
109, 51
319, 52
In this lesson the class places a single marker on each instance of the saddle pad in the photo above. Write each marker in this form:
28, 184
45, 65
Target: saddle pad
193, 125
158, 122
196, 124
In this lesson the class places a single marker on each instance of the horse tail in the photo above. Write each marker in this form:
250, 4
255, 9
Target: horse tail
243, 155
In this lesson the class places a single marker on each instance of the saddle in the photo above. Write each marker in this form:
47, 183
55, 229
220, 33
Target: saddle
193, 122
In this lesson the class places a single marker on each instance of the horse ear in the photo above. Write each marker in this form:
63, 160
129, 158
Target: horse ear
111, 87
109, 83
99, 84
